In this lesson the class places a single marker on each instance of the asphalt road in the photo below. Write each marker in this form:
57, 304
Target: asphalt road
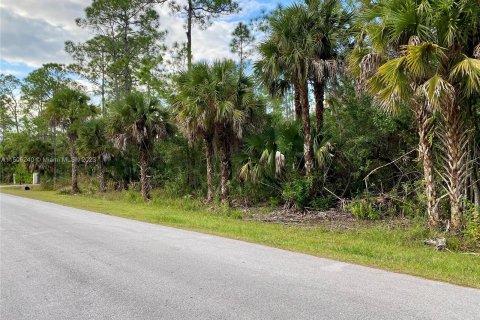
63, 263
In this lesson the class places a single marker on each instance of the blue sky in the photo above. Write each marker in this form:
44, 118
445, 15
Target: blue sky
33, 32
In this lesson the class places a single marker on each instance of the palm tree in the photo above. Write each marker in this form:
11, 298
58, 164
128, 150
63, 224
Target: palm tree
195, 107
446, 75
261, 158
285, 57
457, 31
238, 104
324, 27
214, 102
38, 149
274, 75
93, 142
68, 108
384, 27
140, 120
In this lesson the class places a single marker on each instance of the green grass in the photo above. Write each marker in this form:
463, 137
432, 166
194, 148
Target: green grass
399, 249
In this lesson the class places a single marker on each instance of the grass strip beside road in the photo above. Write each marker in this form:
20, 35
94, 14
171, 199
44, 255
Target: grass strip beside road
398, 249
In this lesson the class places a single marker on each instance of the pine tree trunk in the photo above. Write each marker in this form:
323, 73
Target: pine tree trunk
101, 175
319, 92
297, 104
74, 160
189, 34
307, 131
117, 88
209, 155
126, 52
15, 115
456, 154
144, 179
425, 127
102, 88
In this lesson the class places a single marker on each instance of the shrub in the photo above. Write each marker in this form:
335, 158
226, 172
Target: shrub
364, 209
472, 219
297, 192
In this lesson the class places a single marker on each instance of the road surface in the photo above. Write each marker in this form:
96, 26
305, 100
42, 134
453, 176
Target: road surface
63, 263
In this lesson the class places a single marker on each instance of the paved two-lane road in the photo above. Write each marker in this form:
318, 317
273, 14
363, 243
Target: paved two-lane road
63, 263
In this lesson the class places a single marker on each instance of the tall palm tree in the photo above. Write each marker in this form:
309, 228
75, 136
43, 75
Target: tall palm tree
445, 73
214, 102
195, 107
93, 142
238, 105
139, 119
285, 57
274, 76
68, 109
325, 26
457, 30
383, 28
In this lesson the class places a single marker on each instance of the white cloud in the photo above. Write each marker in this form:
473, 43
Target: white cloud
33, 32
56, 12
209, 44
31, 41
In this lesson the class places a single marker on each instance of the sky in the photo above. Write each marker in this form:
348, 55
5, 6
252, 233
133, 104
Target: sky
33, 32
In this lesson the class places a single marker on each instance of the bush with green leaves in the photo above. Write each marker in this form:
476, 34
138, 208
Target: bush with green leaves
472, 222
297, 192
364, 209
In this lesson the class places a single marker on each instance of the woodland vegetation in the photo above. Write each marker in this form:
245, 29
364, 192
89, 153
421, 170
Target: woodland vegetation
368, 106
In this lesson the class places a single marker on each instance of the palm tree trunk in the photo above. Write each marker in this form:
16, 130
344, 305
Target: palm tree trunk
296, 103
425, 127
101, 175
307, 131
319, 92
144, 179
454, 140
225, 175
74, 159
209, 155
225, 164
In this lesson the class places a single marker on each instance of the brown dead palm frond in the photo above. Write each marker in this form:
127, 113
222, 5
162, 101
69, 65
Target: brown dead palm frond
476, 51
369, 66
436, 92
326, 69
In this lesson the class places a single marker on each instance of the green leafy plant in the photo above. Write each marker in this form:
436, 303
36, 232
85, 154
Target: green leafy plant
296, 192
472, 223
364, 209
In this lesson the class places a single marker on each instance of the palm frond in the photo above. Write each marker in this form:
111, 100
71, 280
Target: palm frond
468, 72
423, 59
437, 92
